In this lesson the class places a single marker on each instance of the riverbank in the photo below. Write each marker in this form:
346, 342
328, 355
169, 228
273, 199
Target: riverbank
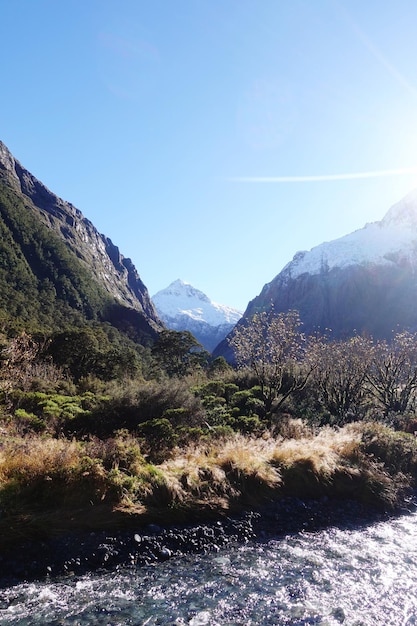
79, 553
65, 511
355, 573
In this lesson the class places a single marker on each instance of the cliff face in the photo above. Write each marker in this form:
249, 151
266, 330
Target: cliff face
364, 282
372, 299
107, 266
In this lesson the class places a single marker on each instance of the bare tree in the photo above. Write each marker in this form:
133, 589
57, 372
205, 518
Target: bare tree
392, 375
341, 373
273, 347
17, 356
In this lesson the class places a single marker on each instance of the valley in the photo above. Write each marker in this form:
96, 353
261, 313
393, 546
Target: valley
115, 412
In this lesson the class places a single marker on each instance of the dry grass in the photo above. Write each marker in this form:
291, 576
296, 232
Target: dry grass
39, 474
30, 458
250, 468
225, 469
328, 452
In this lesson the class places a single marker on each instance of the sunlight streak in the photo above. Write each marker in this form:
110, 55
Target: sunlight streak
376, 52
323, 177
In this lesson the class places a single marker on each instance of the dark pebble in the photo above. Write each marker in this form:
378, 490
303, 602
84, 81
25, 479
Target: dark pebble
83, 553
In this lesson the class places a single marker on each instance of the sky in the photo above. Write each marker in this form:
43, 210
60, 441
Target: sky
213, 139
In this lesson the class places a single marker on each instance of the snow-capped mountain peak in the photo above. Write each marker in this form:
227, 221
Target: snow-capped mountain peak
391, 240
181, 291
403, 213
364, 282
181, 298
183, 307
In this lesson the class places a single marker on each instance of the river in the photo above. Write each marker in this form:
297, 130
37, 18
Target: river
351, 576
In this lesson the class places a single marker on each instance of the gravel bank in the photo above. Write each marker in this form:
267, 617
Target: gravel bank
79, 553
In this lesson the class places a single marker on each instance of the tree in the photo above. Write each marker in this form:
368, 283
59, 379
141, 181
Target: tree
341, 373
179, 353
392, 375
16, 358
218, 367
22, 362
272, 346
88, 351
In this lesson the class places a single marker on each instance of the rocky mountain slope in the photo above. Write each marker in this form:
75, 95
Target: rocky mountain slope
35, 223
183, 307
365, 281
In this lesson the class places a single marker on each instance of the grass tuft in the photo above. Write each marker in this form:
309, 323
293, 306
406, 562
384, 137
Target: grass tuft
56, 483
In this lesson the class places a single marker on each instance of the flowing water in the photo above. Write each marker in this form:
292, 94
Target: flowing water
365, 576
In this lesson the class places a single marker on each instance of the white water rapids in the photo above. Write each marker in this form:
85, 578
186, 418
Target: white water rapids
356, 577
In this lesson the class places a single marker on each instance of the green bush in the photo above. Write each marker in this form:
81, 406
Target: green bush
219, 366
29, 421
136, 403
254, 406
246, 424
256, 391
220, 432
158, 435
187, 435
240, 398
229, 390
177, 416
48, 411
212, 388
210, 402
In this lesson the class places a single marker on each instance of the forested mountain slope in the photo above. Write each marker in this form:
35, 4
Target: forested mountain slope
56, 269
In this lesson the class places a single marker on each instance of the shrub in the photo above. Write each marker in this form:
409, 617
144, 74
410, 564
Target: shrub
159, 437
53, 411
137, 403
219, 366
229, 390
254, 406
212, 388
396, 450
44, 472
246, 424
177, 416
240, 398
122, 452
28, 422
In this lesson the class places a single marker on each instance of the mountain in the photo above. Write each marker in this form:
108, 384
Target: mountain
183, 307
56, 268
364, 282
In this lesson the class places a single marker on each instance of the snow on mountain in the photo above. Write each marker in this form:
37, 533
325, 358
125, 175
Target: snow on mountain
364, 282
391, 240
183, 307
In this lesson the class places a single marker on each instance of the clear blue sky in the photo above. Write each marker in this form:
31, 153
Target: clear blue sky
150, 116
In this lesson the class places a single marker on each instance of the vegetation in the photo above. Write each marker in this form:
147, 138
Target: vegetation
102, 422
41, 282
95, 431
45, 287
274, 348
